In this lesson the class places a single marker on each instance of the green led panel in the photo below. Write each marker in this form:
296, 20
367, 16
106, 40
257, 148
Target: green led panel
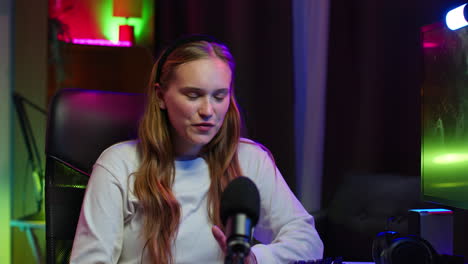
444, 159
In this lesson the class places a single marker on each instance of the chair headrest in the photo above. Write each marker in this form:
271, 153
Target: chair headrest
83, 123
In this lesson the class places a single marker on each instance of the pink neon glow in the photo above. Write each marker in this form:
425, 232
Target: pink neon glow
101, 42
430, 45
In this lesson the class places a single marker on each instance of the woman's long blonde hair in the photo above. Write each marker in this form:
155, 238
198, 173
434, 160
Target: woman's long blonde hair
155, 177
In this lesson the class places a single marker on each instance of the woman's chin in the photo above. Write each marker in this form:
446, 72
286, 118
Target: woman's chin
201, 140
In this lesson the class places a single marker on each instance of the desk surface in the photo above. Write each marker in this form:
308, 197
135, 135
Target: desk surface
350, 262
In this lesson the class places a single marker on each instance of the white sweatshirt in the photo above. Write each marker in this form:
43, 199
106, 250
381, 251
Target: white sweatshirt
110, 224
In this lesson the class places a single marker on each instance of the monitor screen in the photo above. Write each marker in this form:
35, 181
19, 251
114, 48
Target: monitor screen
444, 148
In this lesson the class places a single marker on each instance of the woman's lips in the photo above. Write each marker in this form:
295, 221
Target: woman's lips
204, 127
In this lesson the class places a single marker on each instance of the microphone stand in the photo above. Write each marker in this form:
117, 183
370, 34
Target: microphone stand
240, 228
234, 259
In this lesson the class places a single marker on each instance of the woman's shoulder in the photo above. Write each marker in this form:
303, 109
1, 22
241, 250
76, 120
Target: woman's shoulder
251, 150
124, 152
255, 160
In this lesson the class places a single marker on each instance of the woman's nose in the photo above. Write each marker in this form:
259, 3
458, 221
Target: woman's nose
206, 109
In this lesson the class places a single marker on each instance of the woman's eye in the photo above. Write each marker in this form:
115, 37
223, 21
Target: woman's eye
192, 95
220, 96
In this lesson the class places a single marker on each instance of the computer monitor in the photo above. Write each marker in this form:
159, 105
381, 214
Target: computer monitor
444, 145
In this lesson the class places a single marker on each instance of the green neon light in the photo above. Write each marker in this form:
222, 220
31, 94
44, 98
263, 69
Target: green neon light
451, 158
449, 184
70, 186
110, 24
444, 168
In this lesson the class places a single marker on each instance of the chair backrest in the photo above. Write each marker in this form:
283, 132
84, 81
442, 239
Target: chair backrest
81, 124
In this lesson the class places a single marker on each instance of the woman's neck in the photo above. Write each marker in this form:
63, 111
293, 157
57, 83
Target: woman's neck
186, 157
186, 151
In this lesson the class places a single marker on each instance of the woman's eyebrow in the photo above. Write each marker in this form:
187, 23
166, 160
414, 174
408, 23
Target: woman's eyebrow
188, 89
191, 88
222, 90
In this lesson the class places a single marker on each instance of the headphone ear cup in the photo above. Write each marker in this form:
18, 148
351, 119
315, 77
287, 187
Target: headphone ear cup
411, 250
380, 245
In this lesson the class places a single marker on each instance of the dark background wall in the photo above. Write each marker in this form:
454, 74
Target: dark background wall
375, 72
29, 77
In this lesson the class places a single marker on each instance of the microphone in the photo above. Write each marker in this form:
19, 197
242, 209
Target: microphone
240, 207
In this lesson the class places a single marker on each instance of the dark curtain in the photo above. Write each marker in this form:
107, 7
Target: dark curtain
259, 34
375, 72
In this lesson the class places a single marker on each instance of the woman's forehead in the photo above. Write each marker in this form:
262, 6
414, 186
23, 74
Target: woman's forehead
203, 73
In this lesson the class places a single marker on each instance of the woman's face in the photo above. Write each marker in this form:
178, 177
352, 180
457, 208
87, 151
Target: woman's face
197, 99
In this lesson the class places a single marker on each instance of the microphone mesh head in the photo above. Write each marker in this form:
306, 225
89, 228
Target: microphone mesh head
240, 196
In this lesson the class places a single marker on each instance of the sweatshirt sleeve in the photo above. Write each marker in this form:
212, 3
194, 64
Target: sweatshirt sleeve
285, 229
99, 234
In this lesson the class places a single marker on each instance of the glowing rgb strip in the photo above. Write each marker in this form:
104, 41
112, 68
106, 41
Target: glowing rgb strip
455, 18
432, 211
101, 42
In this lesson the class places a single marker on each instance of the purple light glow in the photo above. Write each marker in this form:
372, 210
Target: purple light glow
430, 44
101, 42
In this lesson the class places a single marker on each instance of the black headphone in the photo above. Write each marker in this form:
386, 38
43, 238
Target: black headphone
391, 248
179, 42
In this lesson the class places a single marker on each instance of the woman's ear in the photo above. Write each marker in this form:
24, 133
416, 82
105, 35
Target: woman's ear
160, 96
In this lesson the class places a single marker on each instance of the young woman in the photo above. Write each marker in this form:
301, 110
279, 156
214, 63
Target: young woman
156, 199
